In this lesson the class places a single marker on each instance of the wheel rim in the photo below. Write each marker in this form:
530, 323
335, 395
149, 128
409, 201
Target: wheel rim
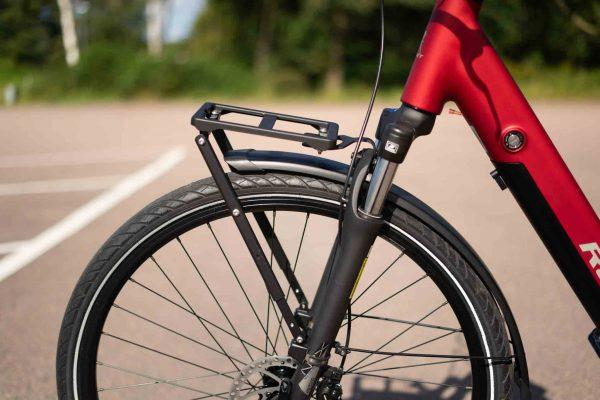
365, 369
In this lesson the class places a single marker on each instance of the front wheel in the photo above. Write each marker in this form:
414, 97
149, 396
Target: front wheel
172, 305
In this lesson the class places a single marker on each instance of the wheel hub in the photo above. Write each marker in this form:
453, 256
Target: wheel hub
263, 378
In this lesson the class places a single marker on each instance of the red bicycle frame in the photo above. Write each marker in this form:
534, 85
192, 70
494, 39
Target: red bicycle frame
456, 62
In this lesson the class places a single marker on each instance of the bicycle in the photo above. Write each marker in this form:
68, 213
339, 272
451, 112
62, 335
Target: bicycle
304, 343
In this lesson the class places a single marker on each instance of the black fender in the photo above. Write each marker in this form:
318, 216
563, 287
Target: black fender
259, 161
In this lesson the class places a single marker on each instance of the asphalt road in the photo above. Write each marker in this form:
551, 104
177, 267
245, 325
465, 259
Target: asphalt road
55, 160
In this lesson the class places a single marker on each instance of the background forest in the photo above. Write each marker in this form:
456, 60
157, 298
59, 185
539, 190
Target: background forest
279, 48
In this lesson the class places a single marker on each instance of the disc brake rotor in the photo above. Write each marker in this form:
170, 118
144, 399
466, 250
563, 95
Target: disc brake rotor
262, 378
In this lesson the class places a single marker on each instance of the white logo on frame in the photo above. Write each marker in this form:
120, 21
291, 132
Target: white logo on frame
391, 147
594, 250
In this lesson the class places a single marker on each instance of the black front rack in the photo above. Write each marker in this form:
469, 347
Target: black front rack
207, 119
208, 122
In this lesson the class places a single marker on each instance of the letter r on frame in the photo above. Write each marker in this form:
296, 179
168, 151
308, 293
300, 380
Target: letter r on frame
594, 249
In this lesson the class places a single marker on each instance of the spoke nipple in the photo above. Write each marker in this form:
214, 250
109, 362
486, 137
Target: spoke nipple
236, 212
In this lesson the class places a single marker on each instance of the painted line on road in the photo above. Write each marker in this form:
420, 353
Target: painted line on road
81, 217
9, 247
59, 185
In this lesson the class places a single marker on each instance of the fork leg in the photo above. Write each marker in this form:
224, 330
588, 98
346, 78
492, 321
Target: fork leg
359, 231
358, 234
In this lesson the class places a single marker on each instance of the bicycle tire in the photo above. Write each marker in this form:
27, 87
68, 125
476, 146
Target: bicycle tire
195, 204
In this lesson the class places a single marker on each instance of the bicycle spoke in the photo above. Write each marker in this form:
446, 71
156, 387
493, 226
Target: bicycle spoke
268, 316
404, 352
411, 380
279, 317
213, 295
239, 283
415, 365
156, 381
194, 311
287, 295
388, 298
173, 331
225, 393
107, 334
220, 328
402, 321
354, 367
428, 341
376, 279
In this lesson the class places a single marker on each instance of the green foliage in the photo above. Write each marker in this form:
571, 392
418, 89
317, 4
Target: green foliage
545, 31
107, 70
285, 48
114, 21
29, 31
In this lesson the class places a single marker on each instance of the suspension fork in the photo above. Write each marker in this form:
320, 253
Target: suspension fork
362, 222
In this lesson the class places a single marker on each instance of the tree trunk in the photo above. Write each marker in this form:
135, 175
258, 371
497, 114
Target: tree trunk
69, 35
154, 26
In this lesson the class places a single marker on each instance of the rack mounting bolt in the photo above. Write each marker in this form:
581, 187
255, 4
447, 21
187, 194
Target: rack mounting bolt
201, 141
299, 340
236, 212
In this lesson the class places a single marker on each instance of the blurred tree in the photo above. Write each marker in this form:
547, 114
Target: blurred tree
69, 33
119, 21
228, 29
266, 35
292, 45
29, 31
154, 12
550, 33
333, 41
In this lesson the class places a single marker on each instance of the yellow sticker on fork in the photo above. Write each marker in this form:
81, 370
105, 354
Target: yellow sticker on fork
362, 268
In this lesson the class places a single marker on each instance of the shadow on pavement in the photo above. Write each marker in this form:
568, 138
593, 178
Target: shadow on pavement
426, 392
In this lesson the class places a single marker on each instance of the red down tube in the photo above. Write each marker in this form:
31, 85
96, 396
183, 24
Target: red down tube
456, 62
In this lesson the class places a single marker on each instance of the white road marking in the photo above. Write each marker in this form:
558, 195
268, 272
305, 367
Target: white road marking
59, 185
81, 217
9, 247
100, 156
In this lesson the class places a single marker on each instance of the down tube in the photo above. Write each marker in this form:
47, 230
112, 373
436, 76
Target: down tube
457, 63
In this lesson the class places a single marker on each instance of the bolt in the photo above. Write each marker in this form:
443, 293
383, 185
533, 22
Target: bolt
201, 141
299, 340
236, 212
514, 140
297, 290
292, 325
323, 131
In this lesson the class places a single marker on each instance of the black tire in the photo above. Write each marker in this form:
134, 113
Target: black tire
182, 210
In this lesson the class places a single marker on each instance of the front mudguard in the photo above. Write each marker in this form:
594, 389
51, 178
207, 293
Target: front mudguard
258, 161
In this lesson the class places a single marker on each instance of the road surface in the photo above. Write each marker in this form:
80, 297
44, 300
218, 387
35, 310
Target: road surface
58, 202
